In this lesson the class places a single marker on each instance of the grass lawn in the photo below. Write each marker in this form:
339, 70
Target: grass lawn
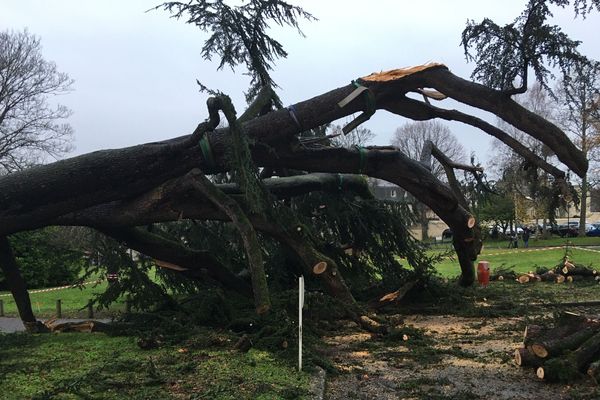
98, 366
521, 260
73, 302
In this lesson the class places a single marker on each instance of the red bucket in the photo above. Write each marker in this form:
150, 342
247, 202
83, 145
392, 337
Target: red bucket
483, 273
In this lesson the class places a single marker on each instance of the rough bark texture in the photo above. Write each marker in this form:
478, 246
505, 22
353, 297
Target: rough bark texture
17, 285
235, 213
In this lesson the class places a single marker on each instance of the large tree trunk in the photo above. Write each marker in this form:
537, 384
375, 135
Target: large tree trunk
583, 205
16, 285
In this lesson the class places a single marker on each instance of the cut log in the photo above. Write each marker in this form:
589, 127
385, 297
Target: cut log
319, 268
568, 368
243, 344
594, 371
582, 270
554, 347
525, 358
549, 276
560, 278
471, 222
523, 278
570, 318
531, 333
83, 326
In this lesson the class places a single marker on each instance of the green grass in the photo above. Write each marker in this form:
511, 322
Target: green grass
520, 260
97, 366
73, 302
552, 241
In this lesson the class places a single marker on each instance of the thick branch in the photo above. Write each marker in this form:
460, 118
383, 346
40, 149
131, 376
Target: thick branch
195, 262
498, 103
420, 111
38, 194
253, 251
429, 150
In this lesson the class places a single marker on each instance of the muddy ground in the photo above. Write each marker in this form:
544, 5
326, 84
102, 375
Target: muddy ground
439, 357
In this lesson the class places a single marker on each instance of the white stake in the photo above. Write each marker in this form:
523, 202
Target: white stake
300, 306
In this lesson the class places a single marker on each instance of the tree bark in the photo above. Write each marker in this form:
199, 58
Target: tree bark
17, 286
565, 369
557, 345
235, 213
583, 205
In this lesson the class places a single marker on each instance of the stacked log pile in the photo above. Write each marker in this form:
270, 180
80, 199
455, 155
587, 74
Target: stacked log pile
566, 271
564, 352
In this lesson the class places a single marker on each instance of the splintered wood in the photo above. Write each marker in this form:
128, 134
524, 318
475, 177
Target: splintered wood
395, 74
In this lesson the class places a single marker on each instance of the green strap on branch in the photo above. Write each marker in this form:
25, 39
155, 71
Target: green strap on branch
363, 159
370, 103
207, 151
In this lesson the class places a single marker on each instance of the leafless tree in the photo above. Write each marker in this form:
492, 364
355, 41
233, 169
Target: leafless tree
579, 115
357, 137
411, 137
516, 175
32, 126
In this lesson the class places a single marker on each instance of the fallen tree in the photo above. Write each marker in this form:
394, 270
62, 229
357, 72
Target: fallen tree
119, 191
97, 181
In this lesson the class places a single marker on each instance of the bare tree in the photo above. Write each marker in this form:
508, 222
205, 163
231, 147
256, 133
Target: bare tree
411, 138
579, 94
357, 137
31, 126
526, 185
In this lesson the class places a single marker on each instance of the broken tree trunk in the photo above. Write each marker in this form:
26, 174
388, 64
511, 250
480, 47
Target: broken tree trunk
525, 358
17, 286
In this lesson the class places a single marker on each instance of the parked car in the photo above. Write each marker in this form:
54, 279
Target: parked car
568, 230
447, 234
595, 231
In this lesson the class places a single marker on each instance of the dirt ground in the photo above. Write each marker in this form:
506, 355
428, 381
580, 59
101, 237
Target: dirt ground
445, 357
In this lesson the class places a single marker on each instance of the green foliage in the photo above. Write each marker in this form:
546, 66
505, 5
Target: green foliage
496, 209
239, 158
239, 33
133, 271
45, 259
375, 231
503, 54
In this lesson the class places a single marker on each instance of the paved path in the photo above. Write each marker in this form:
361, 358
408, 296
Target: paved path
10, 325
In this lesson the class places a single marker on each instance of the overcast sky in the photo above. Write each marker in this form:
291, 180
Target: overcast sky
135, 71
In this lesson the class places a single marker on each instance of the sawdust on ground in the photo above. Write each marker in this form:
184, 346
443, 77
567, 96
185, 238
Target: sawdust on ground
374, 369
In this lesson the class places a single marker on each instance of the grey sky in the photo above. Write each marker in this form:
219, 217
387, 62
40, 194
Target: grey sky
135, 72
